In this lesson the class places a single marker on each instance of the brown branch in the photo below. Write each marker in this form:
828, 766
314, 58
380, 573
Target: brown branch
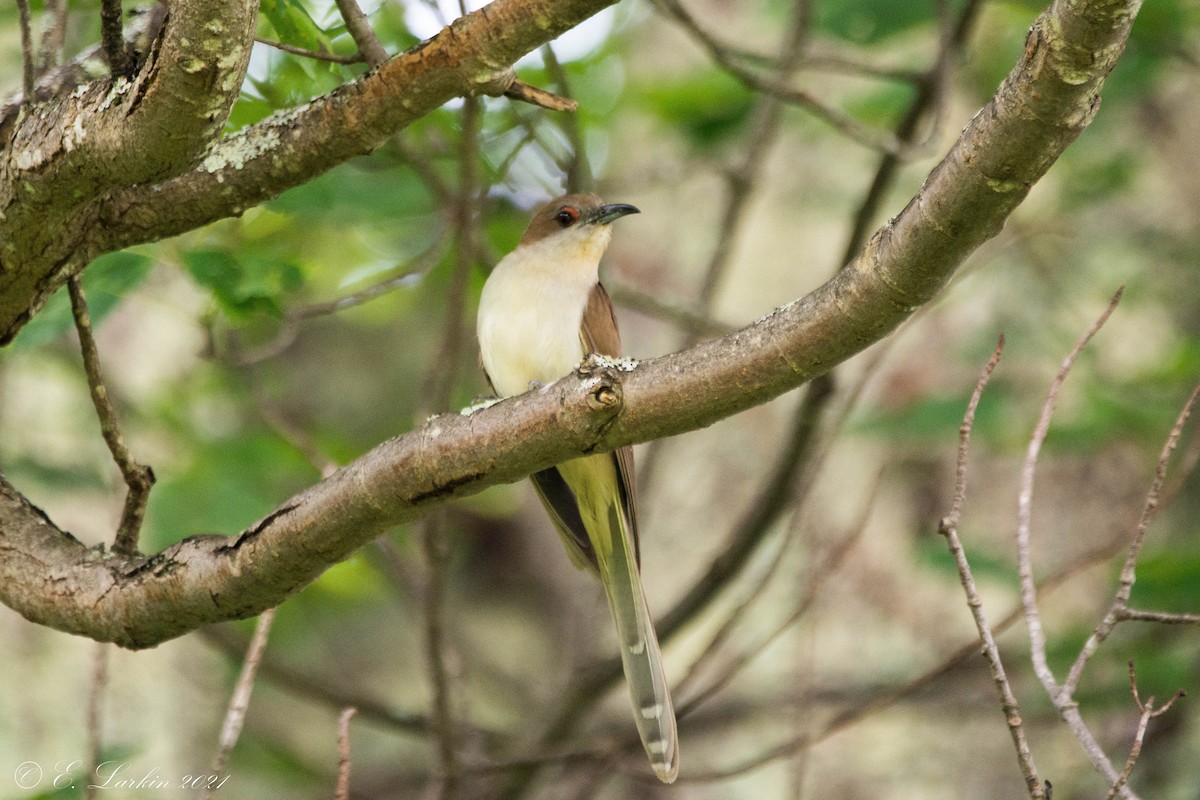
1161, 617
1048, 99
54, 31
54, 80
991, 651
435, 546
138, 477
112, 37
239, 701
1148, 712
775, 87
354, 58
93, 727
343, 780
829, 566
540, 97
27, 71
1060, 695
1120, 601
334, 693
111, 134
360, 30
579, 171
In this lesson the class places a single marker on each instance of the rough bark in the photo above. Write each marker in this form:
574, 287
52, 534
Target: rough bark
1050, 96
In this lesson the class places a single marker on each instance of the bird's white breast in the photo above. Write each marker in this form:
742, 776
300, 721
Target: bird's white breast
530, 312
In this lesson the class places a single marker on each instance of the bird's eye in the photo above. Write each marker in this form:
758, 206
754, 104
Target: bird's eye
567, 216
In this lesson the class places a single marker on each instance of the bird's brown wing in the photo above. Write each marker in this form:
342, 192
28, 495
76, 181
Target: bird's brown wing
600, 335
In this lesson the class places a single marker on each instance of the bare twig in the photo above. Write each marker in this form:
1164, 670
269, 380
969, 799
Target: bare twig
332, 694
343, 781
355, 58
1037, 636
360, 30
676, 313
112, 37
1062, 699
1148, 712
54, 31
1161, 617
445, 369
94, 726
27, 74
239, 702
526, 93
742, 177
579, 171
138, 478
929, 92
1120, 603
957, 659
991, 652
777, 88
830, 565
436, 557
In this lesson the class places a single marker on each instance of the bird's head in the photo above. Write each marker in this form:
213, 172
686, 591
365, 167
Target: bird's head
576, 221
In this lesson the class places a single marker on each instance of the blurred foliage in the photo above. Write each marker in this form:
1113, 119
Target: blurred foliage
239, 396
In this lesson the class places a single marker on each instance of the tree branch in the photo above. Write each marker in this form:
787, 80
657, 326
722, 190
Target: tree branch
1050, 96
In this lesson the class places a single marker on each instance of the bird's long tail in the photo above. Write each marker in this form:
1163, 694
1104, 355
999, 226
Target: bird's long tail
652, 708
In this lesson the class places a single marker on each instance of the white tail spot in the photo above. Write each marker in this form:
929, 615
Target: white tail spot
639, 648
652, 711
658, 748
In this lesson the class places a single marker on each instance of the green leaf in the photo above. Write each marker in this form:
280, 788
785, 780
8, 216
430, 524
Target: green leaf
245, 286
707, 107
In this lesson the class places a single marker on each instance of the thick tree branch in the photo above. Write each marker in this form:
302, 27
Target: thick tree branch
61, 156
472, 56
1049, 97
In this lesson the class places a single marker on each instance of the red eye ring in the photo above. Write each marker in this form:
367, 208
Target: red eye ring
567, 216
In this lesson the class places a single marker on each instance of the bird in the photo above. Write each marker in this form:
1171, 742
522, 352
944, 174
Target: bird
541, 312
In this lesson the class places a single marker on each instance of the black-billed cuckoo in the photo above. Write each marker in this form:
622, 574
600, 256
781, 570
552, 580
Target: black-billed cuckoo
542, 310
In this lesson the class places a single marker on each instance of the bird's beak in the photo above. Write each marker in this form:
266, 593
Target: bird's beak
606, 214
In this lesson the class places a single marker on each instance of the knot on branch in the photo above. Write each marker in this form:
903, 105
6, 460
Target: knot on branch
602, 377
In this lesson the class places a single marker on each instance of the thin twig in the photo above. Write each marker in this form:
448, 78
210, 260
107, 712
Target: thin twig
1037, 636
1120, 602
94, 727
26, 49
355, 58
667, 310
1148, 712
138, 478
343, 780
360, 30
930, 92
777, 88
54, 31
960, 657
1161, 617
527, 93
445, 369
112, 37
333, 694
991, 652
1063, 701
829, 567
436, 557
579, 171
239, 702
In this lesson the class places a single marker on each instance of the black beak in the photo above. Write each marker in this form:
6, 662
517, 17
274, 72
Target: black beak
606, 214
